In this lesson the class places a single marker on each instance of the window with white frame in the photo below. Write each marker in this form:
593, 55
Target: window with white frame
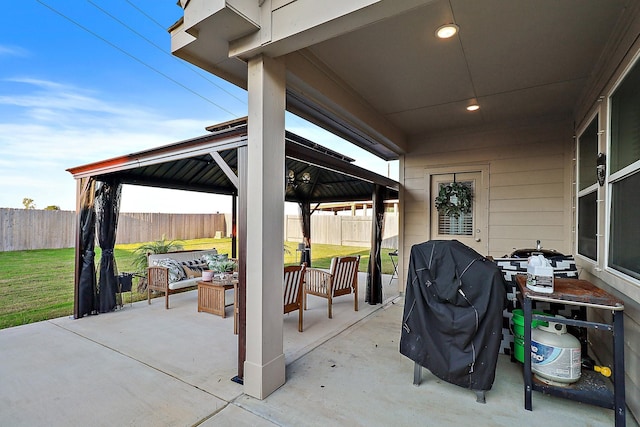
588, 191
624, 176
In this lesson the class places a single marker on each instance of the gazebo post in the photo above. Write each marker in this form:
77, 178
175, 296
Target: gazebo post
78, 257
374, 276
241, 222
234, 223
305, 212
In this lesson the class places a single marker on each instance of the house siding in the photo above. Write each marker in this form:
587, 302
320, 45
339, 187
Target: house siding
530, 185
624, 49
531, 196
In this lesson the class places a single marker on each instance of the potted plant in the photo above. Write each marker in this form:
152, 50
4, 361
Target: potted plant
224, 266
141, 253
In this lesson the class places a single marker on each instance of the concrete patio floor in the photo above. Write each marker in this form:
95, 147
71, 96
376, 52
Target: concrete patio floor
147, 366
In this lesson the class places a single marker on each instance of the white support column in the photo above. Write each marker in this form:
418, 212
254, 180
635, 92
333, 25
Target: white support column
264, 369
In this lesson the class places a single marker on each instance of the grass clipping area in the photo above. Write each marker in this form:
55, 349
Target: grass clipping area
38, 285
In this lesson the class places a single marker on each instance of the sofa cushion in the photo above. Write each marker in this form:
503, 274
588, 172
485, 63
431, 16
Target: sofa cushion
186, 283
176, 272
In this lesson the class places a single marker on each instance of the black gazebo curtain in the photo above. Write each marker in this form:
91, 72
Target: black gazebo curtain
99, 209
107, 211
374, 269
305, 213
87, 291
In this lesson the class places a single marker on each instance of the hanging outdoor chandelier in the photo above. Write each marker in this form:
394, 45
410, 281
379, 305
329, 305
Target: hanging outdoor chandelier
293, 181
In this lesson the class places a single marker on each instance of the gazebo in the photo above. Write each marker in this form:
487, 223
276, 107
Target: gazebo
216, 163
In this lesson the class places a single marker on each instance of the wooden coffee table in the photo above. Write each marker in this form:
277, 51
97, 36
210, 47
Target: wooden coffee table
211, 296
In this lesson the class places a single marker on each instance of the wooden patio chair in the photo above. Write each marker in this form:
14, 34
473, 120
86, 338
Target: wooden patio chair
342, 279
293, 288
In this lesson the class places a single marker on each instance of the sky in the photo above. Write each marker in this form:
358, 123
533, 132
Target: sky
84, 81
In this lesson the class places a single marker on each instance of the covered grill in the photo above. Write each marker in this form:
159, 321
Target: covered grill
452, 322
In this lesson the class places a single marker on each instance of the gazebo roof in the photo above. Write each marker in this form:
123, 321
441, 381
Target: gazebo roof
190, 165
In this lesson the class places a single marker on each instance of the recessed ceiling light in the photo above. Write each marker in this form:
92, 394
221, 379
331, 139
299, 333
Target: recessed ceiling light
446, 31
473, 107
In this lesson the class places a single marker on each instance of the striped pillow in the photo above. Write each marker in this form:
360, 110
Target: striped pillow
193, 268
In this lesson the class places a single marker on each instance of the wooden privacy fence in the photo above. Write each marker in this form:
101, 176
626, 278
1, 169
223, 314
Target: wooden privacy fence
26, 229
22, 229
145, 227
343, 230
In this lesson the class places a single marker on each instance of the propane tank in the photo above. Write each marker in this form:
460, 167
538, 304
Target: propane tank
555, 354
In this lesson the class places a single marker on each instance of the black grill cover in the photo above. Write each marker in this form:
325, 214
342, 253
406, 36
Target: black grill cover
452, 322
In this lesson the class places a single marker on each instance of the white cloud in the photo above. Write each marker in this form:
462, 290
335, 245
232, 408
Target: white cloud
6, 50
57, 126
64, 103
36, 82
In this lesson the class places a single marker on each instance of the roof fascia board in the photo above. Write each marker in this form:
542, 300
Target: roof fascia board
302, 23
155, 156
185, 47
291, 20
230, 18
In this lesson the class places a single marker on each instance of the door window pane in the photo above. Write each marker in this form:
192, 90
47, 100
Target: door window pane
461, 226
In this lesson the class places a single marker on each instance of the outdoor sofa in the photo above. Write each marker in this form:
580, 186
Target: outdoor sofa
177, 271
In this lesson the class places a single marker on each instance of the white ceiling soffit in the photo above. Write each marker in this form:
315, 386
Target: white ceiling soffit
518, 60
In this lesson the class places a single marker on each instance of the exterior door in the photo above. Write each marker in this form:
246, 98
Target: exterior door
470, 228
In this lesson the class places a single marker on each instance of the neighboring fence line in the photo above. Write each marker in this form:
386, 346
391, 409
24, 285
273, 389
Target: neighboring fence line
26, 229
22, 229
146, 227
343, 230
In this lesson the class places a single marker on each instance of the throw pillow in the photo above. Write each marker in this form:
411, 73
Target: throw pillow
191, 273
176, 272
193, 268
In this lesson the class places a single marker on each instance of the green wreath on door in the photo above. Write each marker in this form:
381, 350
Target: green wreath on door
454, 199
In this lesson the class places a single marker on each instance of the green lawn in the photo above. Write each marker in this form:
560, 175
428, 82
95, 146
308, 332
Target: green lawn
38, 285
